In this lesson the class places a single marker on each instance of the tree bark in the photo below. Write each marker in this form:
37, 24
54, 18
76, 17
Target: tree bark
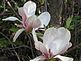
55, 9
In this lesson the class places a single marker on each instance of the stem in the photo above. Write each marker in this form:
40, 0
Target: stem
12, 8
11, 45
31, 45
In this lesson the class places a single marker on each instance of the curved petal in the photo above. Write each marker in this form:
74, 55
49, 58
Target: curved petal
49, 35
38, 45
17, 34
56, 39
44, 18
65, 33
55, 49
21, 13
34, 21
66, 48
34, 35
29, 8
39, 58
11, 18
63, 58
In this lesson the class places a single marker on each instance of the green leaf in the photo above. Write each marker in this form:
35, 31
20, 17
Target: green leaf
3, 42
42, 1
65, 1
14, 29
18, 43
68, 22
71, 27
40, 34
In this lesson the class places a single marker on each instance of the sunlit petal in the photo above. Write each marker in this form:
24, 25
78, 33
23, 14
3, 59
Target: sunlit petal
58, 48
34, 35
21, 13
56, 39
11, 18
29, 8
49, 35
17, 34
44, 18
63, 58
64, 34
66, 48
38, 45
34, 21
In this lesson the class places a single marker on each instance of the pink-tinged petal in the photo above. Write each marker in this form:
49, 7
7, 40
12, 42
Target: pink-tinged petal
39, 58
63, 58
44, 18
38, 45
34, 21
27, 25
17, 34
11, 18
22, 14
29, 8
56, 39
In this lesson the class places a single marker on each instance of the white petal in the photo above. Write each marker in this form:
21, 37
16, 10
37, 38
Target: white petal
63, 58
66, 47
17, 34
38, 45
49, 35
70, 44
34, 35
58, 47
64, 32
29, 8
39, 58
44, 18
56, 39
11, 18
34, 21
21, 13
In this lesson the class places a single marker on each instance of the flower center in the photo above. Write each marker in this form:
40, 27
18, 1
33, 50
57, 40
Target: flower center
51, 59
48, 55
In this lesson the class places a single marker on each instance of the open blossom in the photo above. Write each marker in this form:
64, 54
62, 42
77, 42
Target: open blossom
55, 42
29, 19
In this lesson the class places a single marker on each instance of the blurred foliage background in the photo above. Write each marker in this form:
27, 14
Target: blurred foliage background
66, 13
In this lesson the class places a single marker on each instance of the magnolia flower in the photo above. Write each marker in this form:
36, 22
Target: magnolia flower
55, 42
29, 19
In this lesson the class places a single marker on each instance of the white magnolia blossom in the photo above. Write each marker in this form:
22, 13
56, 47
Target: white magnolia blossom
55, 42
29, 19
